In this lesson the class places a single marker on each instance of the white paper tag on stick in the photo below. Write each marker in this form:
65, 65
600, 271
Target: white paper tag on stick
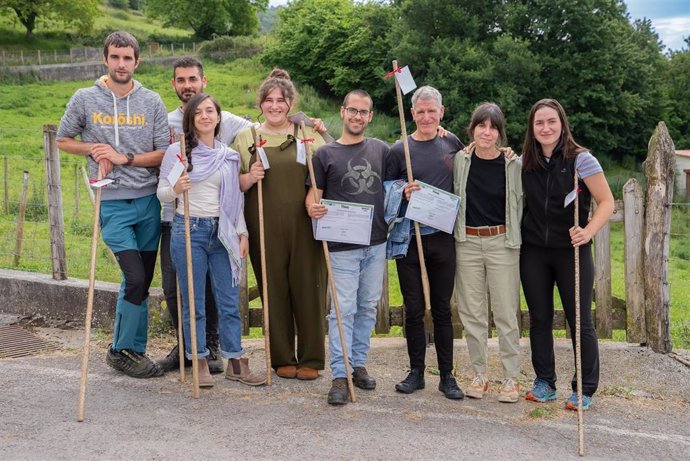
570, 198
405, 80
101, 183
301, 152
263, 157
175, 173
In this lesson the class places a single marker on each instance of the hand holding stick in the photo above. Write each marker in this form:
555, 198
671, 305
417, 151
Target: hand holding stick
331, 280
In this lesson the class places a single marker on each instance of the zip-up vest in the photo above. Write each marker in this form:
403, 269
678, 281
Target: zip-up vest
545, 222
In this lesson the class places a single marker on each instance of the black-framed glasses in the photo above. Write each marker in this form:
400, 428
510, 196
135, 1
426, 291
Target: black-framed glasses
352, 112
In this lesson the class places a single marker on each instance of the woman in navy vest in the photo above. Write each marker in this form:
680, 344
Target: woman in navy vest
550, 159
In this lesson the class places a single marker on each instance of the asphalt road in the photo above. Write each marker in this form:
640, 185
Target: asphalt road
642, 412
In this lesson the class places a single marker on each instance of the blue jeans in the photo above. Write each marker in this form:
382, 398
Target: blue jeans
358, 278
208, 256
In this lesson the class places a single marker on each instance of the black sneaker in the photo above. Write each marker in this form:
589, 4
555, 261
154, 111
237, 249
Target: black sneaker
215, 361
338, 393
361, 379
449, 387
133, 364
172, 360
414, 381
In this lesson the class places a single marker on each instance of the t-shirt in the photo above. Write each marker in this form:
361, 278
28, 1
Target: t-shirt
354, 173
432, 161
485, 192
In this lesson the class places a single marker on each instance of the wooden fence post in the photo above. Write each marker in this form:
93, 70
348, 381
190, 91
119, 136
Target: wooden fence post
20, 219
53, 184
602, 280
659, 169
636, 331
383, 314
88, 184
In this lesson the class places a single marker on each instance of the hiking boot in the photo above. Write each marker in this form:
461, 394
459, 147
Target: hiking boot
172, 360
478, 387
205, 378
571, 403
132, 363
414, 381
509, 391
338, 393
541, 392
361, 379
215, 361
287, 371
449, 387
238, 370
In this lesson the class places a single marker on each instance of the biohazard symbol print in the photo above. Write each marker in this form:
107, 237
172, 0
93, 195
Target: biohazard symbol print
360, 179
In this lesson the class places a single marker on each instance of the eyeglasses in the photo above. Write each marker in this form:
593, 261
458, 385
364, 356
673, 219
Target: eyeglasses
352, 112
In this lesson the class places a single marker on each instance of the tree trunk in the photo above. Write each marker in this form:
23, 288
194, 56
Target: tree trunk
28, 21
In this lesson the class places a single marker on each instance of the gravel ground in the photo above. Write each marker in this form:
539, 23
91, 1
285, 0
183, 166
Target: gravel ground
640, 412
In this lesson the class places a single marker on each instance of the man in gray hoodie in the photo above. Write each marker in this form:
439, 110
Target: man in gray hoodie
123, 129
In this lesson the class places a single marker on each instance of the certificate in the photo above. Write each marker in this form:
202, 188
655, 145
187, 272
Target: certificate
345, 222
433, 207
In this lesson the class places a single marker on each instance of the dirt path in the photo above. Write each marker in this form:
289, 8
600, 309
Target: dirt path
641, 412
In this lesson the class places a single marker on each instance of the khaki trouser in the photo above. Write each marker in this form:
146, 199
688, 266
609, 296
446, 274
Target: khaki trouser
483, 261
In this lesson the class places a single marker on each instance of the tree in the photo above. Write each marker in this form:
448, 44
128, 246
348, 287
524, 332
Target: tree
80, 13
210, 17
334, 45
678, 88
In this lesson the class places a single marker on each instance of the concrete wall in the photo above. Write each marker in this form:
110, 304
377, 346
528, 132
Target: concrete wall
28, 293
682, 163
73, 71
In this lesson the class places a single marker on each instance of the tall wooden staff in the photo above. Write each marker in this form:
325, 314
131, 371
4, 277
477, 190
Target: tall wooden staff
190, 280
578, 341
331, 280
410, 179
89, 302
264, 277
180, 337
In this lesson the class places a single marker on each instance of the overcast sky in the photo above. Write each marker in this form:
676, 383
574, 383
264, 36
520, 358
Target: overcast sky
670, 18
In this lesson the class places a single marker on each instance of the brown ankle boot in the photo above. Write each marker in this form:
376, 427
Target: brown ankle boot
238, 370
205, 378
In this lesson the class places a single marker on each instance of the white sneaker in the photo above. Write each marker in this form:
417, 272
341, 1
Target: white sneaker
478, 387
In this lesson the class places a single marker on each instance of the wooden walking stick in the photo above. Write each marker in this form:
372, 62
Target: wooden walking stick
89, 302
408, 165
264, 277
578, 341
190, 281
331, 280
180, 337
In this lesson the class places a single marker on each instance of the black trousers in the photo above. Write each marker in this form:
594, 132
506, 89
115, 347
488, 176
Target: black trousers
439, 255
169, 281
540, 269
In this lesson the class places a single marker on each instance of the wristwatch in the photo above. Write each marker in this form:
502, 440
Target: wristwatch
130, 158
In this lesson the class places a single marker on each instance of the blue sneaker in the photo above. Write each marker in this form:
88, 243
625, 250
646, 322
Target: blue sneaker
571, 403
541, 392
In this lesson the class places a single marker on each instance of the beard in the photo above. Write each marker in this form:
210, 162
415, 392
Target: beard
121, 80
185, 96
354, 130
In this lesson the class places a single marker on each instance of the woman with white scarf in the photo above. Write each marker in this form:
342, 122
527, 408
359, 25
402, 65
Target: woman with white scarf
218, 231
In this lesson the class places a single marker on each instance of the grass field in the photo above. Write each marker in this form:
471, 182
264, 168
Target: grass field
54, 36
25, 108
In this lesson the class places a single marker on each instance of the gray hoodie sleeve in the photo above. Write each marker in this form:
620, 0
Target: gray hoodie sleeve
73, 120
161, 131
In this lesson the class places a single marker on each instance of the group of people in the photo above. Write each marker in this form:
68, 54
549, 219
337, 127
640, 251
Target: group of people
514, 224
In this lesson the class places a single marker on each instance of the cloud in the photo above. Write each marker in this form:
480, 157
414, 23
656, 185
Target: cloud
672, 31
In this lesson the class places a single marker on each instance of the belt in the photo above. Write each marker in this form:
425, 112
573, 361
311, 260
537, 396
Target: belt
486, 231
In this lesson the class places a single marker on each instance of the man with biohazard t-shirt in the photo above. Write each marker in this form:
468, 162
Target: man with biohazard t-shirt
123, 130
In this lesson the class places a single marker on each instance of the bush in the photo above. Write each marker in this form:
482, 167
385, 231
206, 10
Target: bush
228, 48
119, 4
